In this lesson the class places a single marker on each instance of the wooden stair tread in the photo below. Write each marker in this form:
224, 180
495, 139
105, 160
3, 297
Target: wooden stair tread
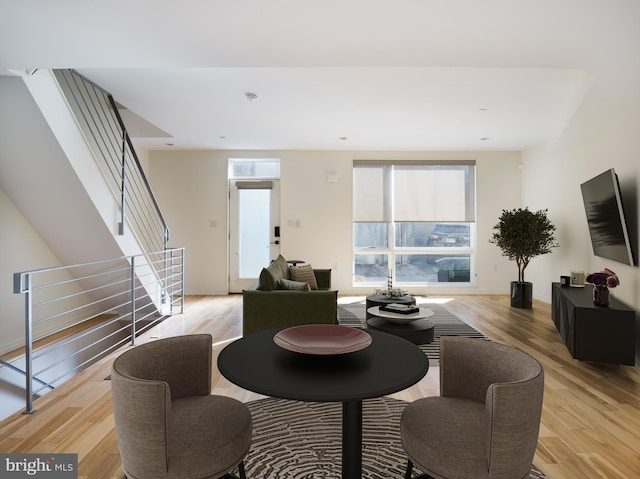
59, 336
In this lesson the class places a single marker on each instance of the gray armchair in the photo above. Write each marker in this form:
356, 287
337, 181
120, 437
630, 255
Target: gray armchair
485, 423
168, 425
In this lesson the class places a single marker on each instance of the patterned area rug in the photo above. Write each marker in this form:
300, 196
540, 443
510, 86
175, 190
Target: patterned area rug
301, 440
445, 324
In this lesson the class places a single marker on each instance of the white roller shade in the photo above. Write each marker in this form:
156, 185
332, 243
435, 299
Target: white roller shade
369, 187
413, 192
432, 193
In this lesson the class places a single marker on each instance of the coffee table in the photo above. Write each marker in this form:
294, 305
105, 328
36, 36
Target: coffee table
412, 327
388, 365
380, 300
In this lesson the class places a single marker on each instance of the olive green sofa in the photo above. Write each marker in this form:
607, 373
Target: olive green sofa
267, 304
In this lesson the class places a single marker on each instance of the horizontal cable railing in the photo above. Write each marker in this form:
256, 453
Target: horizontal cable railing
74, 315
97, 114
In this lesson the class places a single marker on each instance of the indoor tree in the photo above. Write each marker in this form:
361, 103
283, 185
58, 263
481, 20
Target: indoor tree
522, 235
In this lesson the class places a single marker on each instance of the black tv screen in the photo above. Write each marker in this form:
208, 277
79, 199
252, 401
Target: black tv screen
605, 217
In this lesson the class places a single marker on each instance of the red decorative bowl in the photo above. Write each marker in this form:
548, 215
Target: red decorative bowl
322, 339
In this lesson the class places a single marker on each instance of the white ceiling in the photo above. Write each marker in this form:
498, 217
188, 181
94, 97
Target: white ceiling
388, 75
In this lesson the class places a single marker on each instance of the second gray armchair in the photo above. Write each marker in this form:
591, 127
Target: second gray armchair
168, 425
485, 423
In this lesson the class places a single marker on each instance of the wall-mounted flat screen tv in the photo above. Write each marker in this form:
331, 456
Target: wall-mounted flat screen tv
605, 217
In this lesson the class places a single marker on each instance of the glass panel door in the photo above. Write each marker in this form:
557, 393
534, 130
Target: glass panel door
254, 218
254, 232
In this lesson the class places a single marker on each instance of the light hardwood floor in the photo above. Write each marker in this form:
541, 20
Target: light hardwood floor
590, 421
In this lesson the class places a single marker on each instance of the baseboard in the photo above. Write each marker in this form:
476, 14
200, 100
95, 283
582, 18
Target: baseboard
206, 293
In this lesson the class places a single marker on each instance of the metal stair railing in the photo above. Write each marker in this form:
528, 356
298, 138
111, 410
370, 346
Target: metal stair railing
98, 117
74, 315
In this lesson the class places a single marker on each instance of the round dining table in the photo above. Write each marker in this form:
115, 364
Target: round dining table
388, 365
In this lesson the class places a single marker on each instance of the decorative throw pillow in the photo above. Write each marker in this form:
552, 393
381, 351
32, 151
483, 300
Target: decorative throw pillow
304, 274
294, 285
267, 282
282, 264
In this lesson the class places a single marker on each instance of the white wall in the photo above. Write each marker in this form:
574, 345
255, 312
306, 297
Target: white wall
47, 218
604, 133
22, 250
191, 187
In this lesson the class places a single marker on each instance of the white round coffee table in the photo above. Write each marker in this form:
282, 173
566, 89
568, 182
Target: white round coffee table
399, 317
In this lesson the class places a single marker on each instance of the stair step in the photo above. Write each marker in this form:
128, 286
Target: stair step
60, 336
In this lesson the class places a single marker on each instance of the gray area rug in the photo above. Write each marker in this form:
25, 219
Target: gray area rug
303, 440
445, 324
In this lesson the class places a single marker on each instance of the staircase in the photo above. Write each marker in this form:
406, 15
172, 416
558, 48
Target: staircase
83, 188
58, 356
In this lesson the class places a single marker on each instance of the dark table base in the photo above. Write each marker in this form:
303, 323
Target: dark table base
352, 439
420, 331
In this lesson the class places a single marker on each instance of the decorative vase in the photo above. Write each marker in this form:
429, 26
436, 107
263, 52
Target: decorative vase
600, 295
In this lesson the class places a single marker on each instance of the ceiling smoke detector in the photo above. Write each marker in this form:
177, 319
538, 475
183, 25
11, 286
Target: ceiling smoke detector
251, 96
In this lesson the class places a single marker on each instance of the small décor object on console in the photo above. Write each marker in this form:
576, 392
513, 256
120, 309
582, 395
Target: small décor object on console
577, 279
602, 281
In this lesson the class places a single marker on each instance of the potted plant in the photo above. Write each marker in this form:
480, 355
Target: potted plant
522, 235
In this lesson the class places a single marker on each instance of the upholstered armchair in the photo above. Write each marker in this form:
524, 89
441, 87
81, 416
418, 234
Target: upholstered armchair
485, 423
168, 425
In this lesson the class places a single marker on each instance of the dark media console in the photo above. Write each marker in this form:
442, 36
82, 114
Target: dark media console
593, 333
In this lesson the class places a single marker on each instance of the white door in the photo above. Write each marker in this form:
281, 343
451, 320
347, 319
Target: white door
254, 224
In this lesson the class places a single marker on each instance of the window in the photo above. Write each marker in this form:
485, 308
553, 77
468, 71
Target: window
254, 168
415, 221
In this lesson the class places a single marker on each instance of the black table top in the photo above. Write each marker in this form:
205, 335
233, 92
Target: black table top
388, 365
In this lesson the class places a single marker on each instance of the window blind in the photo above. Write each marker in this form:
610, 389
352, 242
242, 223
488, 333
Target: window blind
414, 192
371, 186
